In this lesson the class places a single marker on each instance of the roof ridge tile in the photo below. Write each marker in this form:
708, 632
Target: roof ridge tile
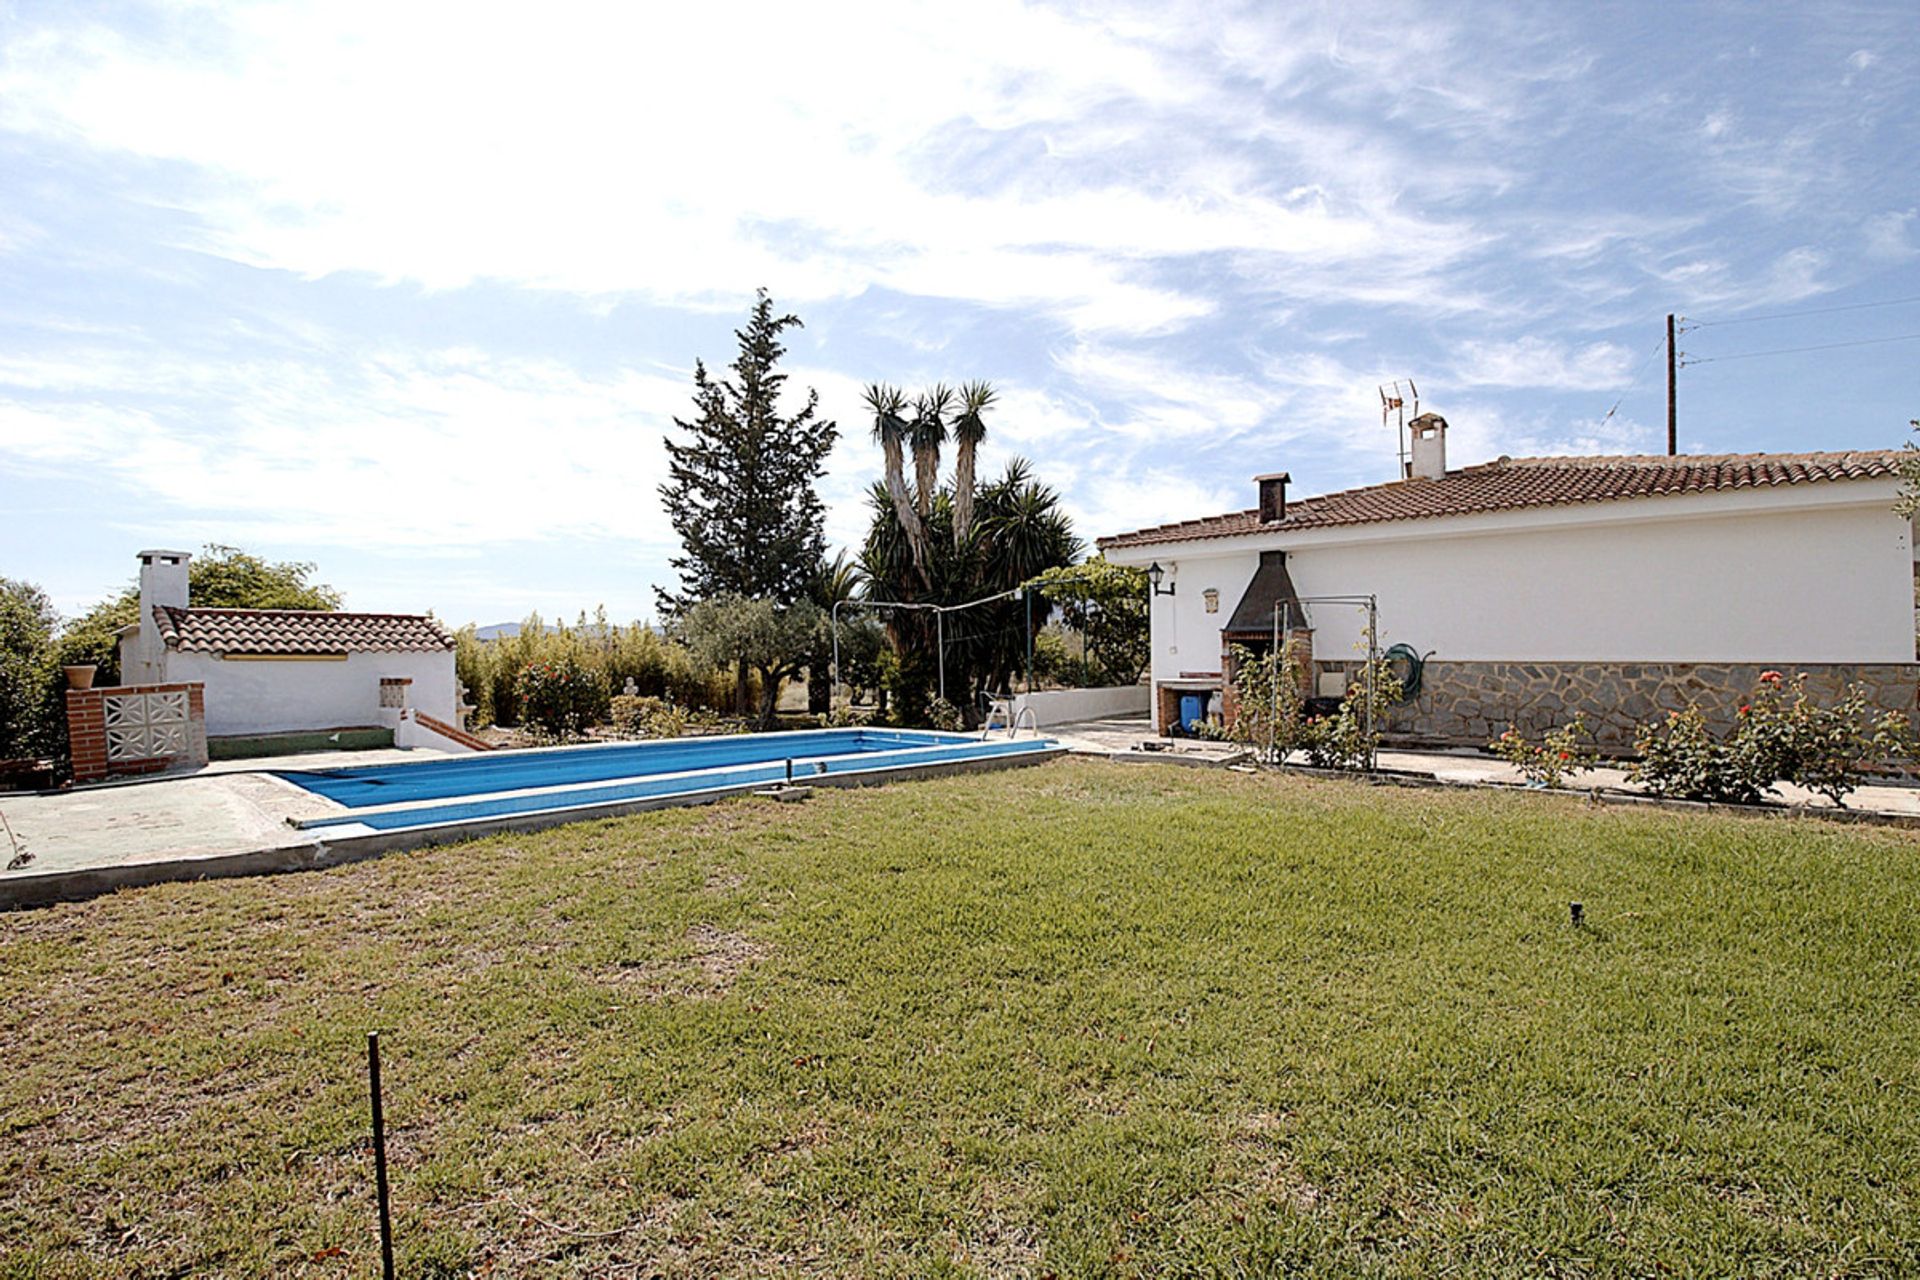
1510, 484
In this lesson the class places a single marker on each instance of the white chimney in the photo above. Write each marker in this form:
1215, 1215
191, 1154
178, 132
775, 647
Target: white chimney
163, 582
1429, 432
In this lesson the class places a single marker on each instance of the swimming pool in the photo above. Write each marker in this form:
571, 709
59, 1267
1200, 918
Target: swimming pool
487, 785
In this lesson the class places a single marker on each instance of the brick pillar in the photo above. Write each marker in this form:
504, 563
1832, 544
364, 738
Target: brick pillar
1301, 643
87, 733
1302, 649
1229, 699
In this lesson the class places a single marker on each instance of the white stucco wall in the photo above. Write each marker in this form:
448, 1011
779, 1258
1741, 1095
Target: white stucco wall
1066, 706
1816, 573
1186, 638
250, 696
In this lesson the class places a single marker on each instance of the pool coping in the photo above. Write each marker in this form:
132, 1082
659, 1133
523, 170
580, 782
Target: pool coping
306, 850
341, 814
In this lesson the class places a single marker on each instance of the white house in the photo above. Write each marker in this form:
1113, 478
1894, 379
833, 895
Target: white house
1535, 588
273, 671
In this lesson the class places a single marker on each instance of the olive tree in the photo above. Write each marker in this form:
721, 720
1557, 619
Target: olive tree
753, 634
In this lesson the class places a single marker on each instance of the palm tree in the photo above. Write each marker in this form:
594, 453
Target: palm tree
927, 432
1023, 529
969, 429
890, 429
1020, 531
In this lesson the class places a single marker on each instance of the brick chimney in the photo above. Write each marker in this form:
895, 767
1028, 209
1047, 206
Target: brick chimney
163, 581
1429, 432
1273, 496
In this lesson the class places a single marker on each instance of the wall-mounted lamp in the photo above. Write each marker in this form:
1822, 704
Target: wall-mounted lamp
1154, 574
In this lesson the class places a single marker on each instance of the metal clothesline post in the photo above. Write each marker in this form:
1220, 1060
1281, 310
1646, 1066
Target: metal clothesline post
833, 616
1372, 604
1373, 682
939, 612
1027, 593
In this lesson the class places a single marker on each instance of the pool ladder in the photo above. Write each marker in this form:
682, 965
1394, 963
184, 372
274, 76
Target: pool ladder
1003, 707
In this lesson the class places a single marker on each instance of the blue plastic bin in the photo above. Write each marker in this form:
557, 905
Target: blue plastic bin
1192, 710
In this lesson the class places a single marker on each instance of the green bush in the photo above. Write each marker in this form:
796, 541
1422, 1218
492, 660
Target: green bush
32, 693
1826, 749
942, 714
658, 666
636, 717
1568, 749
1781, 734
626, 714
1344, 740
907, 684
1681, 759
1268, 702
1055, 663
561, 698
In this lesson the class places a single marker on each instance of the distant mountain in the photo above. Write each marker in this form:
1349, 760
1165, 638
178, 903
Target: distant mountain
499, 631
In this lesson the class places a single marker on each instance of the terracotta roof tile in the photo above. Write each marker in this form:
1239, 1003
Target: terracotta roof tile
297, 631
1513, 484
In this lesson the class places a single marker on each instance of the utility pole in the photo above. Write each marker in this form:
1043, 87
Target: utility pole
1673, 417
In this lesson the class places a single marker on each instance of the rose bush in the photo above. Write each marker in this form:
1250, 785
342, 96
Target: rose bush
1781, 734
561, 698
1566, 750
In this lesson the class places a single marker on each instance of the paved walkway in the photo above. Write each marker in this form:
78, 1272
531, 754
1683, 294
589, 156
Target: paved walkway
1127, 735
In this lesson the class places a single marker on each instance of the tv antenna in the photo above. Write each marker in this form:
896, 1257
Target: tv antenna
1394, 399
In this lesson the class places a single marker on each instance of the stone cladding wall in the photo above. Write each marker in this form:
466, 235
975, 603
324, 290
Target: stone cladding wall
1470, 703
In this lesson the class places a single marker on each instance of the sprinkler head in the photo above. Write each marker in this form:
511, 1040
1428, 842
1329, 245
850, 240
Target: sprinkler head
1579, 914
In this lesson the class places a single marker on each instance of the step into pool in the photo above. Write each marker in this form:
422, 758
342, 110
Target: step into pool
489, 785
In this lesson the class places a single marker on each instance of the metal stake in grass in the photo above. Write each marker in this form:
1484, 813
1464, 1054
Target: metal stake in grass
1579, 914
380, 1156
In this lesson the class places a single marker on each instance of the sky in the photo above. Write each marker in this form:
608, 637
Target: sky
414, 291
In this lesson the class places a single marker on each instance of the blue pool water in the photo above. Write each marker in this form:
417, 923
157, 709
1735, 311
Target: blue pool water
467, 788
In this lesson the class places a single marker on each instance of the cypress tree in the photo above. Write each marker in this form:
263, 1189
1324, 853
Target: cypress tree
741, 489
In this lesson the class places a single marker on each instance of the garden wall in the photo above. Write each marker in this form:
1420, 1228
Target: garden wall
135, 729
1064, 706
1470, 703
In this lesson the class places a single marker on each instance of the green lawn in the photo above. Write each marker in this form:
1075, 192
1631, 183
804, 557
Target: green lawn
1078, 1020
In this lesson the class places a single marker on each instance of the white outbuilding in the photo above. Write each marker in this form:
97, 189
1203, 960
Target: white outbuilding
1527, 590
272, 672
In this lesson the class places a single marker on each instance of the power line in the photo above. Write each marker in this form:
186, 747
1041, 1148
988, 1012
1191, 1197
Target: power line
1816, 311
1787, 351
1633, 383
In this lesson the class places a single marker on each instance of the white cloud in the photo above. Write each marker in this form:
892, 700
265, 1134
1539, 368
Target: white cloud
1889, 235
593, 151
1480, 431
1159, 399
437, 451
1542, 362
